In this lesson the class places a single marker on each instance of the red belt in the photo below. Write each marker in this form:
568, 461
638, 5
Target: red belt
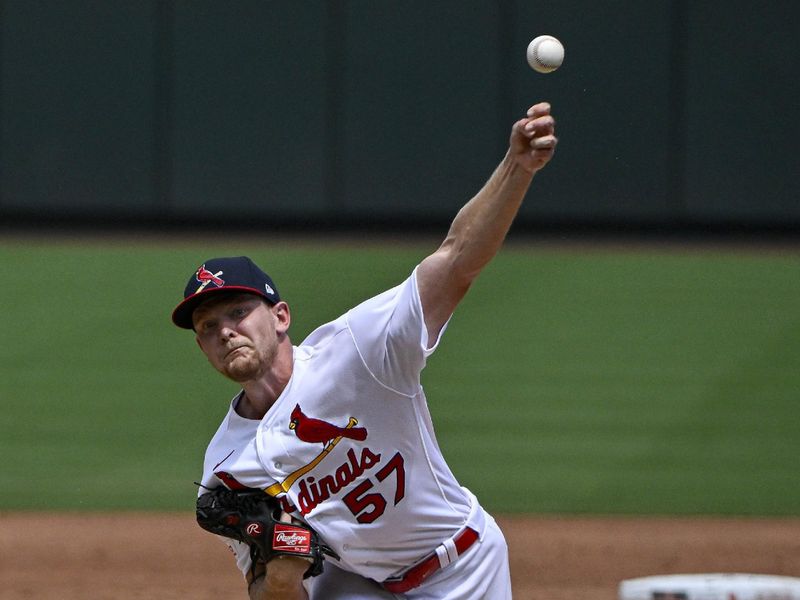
420, 572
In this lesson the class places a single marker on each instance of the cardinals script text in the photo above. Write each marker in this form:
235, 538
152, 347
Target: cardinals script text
366, 507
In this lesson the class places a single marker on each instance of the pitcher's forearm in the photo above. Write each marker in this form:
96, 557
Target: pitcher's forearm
479, 228
283, 581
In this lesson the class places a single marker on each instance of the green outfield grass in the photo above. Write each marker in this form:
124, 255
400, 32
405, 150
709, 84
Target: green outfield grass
571, 381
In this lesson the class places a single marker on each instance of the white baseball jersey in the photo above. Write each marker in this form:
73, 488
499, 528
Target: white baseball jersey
350, 446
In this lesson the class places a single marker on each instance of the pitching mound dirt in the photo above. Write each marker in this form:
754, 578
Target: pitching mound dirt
166, 556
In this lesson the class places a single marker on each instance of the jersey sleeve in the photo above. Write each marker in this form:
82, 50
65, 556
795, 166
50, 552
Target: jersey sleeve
231, 460
390, 335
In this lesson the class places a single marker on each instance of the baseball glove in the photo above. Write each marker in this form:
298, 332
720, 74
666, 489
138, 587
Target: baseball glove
253, 517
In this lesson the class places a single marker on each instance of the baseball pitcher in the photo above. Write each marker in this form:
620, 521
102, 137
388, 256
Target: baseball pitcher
325, 476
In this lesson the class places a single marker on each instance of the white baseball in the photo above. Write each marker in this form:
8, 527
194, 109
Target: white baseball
545, 54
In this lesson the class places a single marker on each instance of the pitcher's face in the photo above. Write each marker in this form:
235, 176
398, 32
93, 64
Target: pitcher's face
239, 334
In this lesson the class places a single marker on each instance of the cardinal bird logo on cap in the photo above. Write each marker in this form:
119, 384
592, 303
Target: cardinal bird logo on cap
204, 276
321, 432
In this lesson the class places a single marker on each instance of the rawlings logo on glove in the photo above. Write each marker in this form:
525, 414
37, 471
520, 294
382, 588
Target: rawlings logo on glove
289, 538
253, 517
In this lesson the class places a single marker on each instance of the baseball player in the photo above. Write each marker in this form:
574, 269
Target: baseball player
338, 427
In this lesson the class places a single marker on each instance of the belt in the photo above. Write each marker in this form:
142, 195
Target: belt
446, 553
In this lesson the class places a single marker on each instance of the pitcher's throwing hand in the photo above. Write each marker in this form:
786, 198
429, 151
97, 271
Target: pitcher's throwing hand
533, 139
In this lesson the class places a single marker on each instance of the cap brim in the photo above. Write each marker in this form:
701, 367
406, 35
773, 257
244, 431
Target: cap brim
182, 315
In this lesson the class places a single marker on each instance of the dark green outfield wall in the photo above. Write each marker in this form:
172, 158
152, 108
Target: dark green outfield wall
670, 112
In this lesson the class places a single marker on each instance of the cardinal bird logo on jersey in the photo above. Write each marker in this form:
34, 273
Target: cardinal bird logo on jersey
321, 432
317, 431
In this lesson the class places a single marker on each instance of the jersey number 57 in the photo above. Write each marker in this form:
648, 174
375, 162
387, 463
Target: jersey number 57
367, 507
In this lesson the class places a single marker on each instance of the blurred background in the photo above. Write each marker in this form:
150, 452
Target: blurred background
581, 375
672, 114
